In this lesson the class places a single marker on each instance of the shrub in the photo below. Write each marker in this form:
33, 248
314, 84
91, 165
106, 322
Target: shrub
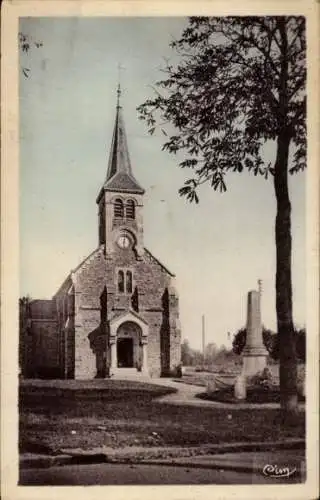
262, 379
301, 380
271, 342
178, 371
239, 341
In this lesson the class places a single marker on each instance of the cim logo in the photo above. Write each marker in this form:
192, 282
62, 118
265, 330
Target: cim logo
271, 470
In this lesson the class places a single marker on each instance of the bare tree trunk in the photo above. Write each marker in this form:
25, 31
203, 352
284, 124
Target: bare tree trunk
288, 362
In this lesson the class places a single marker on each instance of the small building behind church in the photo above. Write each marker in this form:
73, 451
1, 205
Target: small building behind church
118, 311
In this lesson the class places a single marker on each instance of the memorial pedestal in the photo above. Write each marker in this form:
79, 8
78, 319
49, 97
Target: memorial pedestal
254, 355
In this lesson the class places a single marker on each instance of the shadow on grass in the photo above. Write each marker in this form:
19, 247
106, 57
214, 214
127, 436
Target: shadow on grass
120, 416
254, 395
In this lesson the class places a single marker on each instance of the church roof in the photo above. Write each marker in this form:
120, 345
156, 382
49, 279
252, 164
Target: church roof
119, 175
152, 257
123, 182
68, 282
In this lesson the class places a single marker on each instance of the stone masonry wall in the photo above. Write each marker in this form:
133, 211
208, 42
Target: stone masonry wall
76, 316
151, 280
39, 340
45, 348
154, 353
175, 331
64, 304
89, 282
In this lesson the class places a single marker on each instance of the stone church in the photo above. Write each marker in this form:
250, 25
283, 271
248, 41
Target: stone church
117, 312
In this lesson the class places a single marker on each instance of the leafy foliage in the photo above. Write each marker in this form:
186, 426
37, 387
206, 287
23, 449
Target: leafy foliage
262, 379
25, 45
24, 300
213, 355
271, 342
225, 97
300, 341
240, 82
239, 341
190, 356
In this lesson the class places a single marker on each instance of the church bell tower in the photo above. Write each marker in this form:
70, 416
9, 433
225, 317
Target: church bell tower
120, 199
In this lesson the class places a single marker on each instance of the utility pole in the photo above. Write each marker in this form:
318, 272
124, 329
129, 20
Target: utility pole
203, 340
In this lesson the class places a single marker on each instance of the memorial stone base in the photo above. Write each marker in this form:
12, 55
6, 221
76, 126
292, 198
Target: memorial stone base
253, 363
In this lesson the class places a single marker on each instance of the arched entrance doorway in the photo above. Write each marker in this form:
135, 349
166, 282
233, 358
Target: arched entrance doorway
129, 350
125, 353
133, 351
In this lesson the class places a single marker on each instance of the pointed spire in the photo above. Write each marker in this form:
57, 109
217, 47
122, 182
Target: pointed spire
119, 174
119, 160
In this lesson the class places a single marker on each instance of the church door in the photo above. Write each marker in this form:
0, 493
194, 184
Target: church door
125, 352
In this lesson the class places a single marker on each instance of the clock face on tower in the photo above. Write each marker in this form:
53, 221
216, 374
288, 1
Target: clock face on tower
123, 241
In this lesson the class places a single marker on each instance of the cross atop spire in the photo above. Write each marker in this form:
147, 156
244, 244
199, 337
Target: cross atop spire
119, 85
118, 95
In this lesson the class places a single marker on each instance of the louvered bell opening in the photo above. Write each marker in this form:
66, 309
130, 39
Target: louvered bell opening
118, 209
130, 209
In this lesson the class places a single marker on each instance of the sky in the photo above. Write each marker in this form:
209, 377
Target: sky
217, 249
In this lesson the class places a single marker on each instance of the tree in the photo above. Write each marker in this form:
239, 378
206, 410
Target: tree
25, 44
269, 340
210, 352
186, 354
240, 82
24, 315
239, 341
300, 339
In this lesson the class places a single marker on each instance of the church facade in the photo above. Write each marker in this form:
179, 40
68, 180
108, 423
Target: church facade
118, 311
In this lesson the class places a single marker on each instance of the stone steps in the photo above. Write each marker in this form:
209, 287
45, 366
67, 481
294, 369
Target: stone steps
128, 373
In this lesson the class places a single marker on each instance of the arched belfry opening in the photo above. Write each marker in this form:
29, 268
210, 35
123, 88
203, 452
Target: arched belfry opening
118, 208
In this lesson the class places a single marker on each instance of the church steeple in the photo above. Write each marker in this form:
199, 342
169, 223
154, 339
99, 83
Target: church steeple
121, 197
119, 174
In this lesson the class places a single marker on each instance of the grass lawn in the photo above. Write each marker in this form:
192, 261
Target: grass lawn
127, 413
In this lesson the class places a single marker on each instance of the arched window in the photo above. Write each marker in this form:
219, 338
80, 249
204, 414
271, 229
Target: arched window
121, 281
130, 209
129, 282
118, 208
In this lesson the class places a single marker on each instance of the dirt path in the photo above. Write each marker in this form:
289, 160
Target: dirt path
187, 395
